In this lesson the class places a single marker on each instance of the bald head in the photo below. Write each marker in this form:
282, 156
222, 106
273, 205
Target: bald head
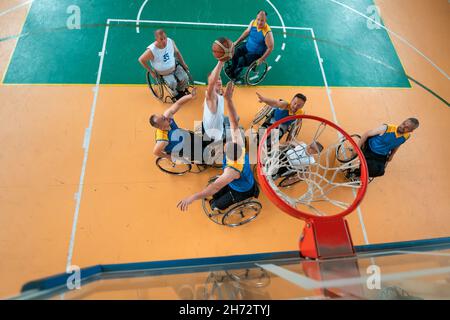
159, 33
160, 38
261, 19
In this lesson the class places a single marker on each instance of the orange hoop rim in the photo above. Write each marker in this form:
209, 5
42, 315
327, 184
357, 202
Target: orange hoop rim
299, 214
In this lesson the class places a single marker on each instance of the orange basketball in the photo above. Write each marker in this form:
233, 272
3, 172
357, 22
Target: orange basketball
223, 49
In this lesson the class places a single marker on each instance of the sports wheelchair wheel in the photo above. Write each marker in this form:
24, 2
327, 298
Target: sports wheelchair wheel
241, 213
170, 167
344, 151
256, 73
264, 113
237, 214
156, 86
293, 130
161, 90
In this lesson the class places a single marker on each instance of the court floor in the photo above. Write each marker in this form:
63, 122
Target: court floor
79, 185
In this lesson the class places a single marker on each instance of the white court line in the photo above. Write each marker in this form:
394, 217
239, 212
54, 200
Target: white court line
333, 112
283, 26
15, 7
393, 33
194, 23
86, 143
139, 15
308, 283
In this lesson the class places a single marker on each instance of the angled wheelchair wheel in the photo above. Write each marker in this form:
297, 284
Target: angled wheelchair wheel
167, 166
344, 151
156, 86
294, 130
215, 216
256, 73
263, 113
242, 213
289, 181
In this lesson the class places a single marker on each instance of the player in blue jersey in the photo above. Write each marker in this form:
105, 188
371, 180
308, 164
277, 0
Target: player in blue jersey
258, 47
379, 145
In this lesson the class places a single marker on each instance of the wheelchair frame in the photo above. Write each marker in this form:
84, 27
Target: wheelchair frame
159, 88
221, 216
248, 78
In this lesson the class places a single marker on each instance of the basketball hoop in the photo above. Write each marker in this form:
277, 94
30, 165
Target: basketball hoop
321, 195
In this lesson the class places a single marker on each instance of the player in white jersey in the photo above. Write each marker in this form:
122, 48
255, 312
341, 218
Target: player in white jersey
161, 55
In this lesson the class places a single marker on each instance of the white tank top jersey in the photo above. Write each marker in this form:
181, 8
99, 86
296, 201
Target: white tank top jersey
213, 122
163, 59
298, 157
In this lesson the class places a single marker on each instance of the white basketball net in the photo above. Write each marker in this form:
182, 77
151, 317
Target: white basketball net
323, 186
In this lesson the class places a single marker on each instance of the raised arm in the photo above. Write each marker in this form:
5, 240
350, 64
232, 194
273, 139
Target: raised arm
232, 114
213, 78
179, 56
244, 34
269, 44
378, 131
169, 113
272, 102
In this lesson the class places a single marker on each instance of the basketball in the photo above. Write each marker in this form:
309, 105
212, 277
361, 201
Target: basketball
223, 49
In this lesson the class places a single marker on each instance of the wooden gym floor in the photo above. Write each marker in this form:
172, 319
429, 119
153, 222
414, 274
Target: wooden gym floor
127, 210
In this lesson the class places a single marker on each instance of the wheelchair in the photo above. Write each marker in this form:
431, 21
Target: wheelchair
160, 89
251, 75
265, 114
235, 215
345, 154
182, 165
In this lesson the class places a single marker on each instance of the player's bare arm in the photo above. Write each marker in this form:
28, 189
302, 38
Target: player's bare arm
169, 113
270, 44
272, 102
146, 56
232, 114
224, 179
244, 34
179, 56
366, 135
158, 150
212, 81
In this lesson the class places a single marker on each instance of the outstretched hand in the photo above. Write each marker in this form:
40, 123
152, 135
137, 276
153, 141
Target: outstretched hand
229, 90
260, 98
184, 204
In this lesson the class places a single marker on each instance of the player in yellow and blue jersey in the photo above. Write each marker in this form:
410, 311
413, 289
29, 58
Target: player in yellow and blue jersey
258, 47
379, 145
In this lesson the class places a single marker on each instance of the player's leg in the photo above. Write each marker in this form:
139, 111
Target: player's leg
171, 82
183, 78
237, 60
222, 199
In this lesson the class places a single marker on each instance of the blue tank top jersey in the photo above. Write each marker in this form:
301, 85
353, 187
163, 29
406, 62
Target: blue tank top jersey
256, 43
242, 165
389, 140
